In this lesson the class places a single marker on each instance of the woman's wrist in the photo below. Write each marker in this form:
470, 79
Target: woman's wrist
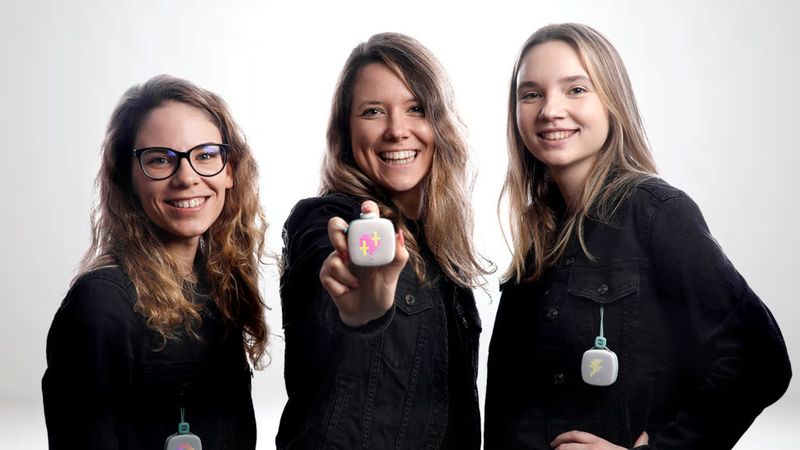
362, 319
371, 327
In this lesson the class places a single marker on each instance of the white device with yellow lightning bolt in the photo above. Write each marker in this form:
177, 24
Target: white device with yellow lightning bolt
599, 365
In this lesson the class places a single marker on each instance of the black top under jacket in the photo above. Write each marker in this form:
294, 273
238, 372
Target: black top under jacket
405, 380
112, 383
699, 354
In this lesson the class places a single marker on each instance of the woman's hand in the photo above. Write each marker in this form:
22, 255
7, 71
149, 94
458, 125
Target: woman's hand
580, 440
360, 293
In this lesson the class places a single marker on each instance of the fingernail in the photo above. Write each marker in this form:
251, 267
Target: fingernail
344, 228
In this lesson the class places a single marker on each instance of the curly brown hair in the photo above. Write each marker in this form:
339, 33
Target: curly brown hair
230, 250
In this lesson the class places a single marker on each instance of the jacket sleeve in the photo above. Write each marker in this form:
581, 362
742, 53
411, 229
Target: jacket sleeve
311, 324
739, 364
89, 359
306, 245
507, 374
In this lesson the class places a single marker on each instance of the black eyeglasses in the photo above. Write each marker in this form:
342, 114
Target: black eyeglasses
159, 163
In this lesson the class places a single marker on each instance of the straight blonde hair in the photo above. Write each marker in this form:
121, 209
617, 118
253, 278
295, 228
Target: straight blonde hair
623, 161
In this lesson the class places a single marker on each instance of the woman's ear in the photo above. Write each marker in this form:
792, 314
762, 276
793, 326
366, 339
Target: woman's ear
228, 176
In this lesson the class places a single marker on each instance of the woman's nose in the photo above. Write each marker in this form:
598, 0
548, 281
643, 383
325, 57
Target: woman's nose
185, 175
553, 108
397, 128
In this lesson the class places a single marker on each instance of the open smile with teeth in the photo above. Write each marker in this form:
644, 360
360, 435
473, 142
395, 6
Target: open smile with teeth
191, 203
556, 135
399, 157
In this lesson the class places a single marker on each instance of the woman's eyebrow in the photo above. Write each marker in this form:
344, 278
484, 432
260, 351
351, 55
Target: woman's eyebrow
369, 102
574, 78
364, 103
566, 80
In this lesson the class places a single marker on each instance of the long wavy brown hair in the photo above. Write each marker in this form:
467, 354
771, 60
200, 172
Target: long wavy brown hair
622, 162
230, 251
446, 207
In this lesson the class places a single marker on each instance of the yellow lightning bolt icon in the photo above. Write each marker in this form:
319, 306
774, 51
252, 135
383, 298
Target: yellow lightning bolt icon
364, 247
375, 238
595, 365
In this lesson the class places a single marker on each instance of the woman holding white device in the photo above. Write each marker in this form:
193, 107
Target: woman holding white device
386, 356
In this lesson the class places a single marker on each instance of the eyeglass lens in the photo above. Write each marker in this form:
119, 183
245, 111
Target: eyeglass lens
206, 160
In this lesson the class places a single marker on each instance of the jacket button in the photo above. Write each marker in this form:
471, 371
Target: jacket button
603, 289
558, 379
409, 299
569, 261
547, 292
552, 313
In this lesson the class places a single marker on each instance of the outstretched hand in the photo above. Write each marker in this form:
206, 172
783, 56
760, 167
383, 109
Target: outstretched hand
361, 294
581, 440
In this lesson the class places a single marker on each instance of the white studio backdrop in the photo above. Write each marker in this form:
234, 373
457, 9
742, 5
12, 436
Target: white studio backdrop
716, 83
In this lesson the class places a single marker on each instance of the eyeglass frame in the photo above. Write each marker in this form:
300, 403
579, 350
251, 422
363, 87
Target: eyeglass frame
137, 153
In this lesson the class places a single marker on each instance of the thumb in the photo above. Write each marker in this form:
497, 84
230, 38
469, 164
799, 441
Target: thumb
643, 439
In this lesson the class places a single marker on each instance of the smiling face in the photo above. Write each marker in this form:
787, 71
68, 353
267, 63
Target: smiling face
185, 205
560, 117
392, 140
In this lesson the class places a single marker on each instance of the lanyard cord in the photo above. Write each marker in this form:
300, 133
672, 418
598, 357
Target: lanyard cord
183, 427
600, 341
601, 335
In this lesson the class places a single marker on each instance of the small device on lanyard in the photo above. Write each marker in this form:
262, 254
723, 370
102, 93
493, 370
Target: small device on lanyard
183, 439
370, 241
599, 365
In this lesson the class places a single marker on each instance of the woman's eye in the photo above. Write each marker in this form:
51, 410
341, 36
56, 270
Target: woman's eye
370, 112
578, 90
529, 96
417, 109
155, 160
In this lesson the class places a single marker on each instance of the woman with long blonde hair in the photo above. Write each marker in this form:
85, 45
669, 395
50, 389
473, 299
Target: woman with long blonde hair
621, 321
385, 357
158, 326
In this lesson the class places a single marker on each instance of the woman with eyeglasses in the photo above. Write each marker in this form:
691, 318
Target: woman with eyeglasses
159, 324
621, 322
384, 357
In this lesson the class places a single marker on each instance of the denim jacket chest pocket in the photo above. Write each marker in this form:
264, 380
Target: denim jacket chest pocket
411, 298
605, 283
615, 286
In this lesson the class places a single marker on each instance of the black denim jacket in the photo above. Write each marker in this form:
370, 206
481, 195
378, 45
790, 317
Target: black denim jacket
381, 386
112, 382
699, 354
